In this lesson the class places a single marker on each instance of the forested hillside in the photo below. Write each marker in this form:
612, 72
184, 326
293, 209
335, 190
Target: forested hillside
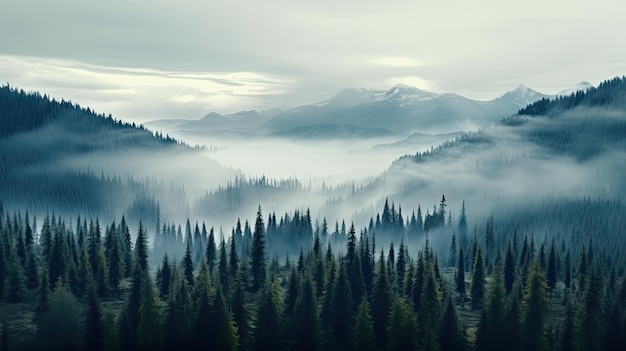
499, 286
525, 251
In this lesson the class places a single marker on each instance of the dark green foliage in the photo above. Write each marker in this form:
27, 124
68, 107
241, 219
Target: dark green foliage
15, 282
460, 274
188, 263
211, 250
364, 339
535, 310
402, 327
509, 270
141, 249
61, 326
93, 336
259, 253
306, 329
381, 303
165, 278
150, 328
268, 330
492, 331
341, 311
453, 338
477, 288
589, 316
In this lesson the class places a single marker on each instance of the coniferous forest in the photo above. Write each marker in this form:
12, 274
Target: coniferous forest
93, 262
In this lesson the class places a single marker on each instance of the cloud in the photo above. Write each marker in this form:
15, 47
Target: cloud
142, 94
395, 61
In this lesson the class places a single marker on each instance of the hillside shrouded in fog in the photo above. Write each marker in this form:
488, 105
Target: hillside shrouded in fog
485, 230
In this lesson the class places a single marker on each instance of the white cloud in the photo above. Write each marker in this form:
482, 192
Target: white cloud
395, 61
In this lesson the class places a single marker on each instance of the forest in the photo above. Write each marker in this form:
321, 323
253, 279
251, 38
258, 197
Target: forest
523, 248
77, 283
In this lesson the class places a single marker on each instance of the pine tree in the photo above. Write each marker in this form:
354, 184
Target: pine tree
268, 331
94, 329
364, 329
258, 253
166, 277
535, 309
381, 303
340, 315
509, 270
141, 249
353, 266
150, 328
452, 339
188, 263
551, 272
211, 251
306, 322
460, 274
477, 288
402, 327
114, 257
492, 328
589, 316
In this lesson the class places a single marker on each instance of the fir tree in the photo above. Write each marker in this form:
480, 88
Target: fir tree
477, 288
258, 253
381, 303
94, 330
460, 274
268, 331
535, 309
402, 327
141, 249
364, 329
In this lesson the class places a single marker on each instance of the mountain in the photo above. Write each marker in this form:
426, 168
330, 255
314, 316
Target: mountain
571, 145
243, 121
403, 109
582, 86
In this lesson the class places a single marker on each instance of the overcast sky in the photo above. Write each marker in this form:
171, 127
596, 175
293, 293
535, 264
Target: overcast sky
143, 60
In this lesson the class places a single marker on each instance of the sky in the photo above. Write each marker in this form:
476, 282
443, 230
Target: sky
145, 60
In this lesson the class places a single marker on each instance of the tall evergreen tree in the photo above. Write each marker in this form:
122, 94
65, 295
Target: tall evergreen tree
589, 316
363, 335
268, 331
402, 327
477, 288
535, 310
460, 274
452, 338
141, 249
259, 253
381, 303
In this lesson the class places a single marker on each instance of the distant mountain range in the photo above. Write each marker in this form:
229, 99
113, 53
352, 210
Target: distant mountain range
400, 110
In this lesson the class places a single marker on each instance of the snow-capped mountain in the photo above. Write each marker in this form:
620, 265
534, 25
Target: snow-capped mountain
403, 109
582, 86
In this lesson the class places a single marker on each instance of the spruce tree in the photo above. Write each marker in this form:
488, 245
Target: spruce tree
452, 339
211, 250
93, 336
589, 316
509, 270
150, 328
363, 336
187, 264
535, 310
306, 319
141, 249
259, 253
341, 310
381, 303
460, 275
268, 330
477, 288
402, 327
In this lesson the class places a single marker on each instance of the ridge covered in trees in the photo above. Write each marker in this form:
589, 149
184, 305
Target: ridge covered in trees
348, 289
